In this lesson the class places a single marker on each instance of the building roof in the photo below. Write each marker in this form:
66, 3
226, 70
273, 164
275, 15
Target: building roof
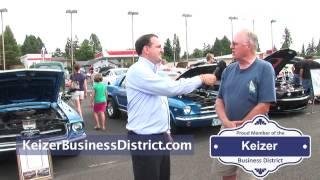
116, 54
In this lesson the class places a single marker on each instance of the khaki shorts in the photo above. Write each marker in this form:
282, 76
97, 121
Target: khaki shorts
219, 169
78, 95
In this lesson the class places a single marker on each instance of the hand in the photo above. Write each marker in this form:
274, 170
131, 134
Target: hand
208, 79
229, 124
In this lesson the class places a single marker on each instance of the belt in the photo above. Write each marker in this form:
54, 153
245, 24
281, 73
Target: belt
133, 133
167, 136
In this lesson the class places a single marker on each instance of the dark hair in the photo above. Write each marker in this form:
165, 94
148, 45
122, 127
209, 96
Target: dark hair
143, 41
77, 67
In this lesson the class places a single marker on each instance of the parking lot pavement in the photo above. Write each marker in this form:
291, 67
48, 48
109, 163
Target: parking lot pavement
184, 167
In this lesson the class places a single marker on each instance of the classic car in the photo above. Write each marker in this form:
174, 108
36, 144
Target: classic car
290, 97
196, 109
53, 65
30, 107
110, 76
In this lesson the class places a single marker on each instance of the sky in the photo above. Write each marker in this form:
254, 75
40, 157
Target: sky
110, 21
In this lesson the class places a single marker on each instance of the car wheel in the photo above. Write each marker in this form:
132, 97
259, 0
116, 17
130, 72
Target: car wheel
112, 110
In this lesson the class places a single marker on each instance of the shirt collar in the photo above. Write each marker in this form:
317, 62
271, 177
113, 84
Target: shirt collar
148, 63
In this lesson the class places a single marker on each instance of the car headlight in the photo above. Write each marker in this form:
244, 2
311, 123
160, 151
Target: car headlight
76, 127
187, 110
289, 94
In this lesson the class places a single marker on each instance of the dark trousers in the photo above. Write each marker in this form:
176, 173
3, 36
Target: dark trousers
150, 165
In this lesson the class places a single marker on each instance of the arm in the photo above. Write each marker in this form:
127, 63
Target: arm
151, 83
260, 108
223, 117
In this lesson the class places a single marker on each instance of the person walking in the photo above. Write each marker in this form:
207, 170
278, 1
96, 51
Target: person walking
79, 85
99, 102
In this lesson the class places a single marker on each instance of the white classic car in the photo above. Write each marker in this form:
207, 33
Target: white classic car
110, 76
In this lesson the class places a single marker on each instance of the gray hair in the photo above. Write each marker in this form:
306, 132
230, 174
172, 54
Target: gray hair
252, 39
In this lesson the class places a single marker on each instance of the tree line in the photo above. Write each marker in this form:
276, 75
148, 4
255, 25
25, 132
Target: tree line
87, 49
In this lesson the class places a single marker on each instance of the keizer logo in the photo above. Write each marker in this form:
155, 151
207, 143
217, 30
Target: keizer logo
260, 146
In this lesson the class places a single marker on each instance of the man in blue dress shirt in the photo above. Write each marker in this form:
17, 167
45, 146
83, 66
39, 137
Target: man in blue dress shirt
148, 110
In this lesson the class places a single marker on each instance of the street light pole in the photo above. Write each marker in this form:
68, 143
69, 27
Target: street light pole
252, 25
71, 45
2, 37
186, 16
132, 13
231, 20
272, 21
174, 44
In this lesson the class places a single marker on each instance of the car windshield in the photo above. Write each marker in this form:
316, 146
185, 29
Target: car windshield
119, 72
49, 67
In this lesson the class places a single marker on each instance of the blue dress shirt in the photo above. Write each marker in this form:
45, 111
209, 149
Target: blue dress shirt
148, 109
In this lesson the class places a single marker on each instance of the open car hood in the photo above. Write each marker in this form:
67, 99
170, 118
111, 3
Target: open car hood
31, 85
195, 71
280, 58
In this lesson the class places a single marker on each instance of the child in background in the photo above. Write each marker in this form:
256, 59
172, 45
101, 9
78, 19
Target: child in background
99, 101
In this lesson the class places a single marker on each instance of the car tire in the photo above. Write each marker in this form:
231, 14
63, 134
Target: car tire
112, 109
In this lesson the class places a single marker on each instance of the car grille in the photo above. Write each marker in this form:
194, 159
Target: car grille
48, 128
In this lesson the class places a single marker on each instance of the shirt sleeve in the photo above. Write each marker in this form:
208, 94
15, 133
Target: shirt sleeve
151, 83
267, 92
221, 89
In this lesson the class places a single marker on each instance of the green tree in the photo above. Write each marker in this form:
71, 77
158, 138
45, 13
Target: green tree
178, 48
68, 47
95, 43
217, 48
58, 53
168, 53
206, 49
303, 52
184, 56
197, 53
85, 52
31, 45
258, 47
225, 46
12, 50
311, 49
318, 49
287, 40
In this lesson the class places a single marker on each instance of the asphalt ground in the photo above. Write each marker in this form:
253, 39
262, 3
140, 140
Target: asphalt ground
183, 167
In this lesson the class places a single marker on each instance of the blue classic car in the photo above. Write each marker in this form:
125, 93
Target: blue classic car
196, 109
30, 107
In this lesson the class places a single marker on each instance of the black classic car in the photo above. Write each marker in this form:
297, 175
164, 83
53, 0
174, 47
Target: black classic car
290, 97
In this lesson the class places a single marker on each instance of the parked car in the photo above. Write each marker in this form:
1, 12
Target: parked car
53, 65
290, 97
110, 76
196, 109
30, 107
